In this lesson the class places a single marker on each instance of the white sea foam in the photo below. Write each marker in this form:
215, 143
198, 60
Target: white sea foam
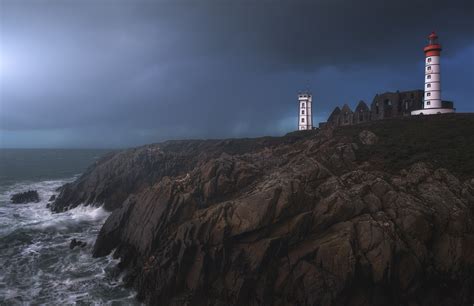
37, 263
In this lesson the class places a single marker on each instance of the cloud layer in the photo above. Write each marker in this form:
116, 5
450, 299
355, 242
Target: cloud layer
122, 73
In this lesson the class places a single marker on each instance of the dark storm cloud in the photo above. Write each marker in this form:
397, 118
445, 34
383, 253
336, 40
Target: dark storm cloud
118, 73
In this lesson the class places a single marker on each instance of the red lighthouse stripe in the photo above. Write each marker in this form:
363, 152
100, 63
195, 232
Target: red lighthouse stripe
432, 53
434, 49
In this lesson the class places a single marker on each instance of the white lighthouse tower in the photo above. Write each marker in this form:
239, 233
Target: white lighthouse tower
305, 117
432, 103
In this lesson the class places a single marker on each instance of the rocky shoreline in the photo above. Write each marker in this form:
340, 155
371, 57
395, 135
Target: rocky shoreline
326, 217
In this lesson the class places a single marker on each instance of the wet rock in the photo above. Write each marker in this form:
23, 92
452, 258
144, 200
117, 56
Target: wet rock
52, 198
25, 197
77, 243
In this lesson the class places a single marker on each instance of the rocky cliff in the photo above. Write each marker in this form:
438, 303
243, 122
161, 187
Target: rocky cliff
373, 214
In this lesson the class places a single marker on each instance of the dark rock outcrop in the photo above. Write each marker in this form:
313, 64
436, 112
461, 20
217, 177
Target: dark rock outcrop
25, 197
52, 198
315, 218
77, 243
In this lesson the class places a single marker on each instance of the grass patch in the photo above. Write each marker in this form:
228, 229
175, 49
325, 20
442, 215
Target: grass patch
444, 141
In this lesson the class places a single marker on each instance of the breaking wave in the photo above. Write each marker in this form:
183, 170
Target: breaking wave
36, 264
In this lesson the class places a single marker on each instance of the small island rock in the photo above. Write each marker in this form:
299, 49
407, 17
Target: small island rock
25, 197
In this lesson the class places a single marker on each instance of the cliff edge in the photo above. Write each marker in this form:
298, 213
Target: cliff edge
373, 214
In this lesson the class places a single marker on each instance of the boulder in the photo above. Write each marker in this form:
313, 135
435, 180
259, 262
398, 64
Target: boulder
368, 137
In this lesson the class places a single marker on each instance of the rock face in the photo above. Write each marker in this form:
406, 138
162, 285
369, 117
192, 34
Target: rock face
314, 218
25, 197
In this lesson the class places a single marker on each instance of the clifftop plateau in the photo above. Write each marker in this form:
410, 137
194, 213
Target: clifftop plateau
373, 214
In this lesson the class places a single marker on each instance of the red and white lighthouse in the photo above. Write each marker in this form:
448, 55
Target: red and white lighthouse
432, 103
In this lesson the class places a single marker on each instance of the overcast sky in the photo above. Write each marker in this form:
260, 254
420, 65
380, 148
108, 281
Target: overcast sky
116, 73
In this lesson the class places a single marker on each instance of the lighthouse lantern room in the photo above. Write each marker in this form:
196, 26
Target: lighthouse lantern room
305, 118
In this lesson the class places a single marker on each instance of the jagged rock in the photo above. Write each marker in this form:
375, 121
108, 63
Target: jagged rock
77, 243
25, 197
367, 137
52, 198
293, 220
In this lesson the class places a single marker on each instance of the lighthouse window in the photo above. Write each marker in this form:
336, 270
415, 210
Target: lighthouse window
428, 85
429, 59
302, 112
302, 104
429, 67
427, 102
302, 119
428, 76
428, 94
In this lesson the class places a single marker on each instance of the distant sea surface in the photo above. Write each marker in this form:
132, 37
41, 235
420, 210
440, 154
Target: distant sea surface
36, 263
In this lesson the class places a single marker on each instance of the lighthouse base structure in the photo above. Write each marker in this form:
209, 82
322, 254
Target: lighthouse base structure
432, 111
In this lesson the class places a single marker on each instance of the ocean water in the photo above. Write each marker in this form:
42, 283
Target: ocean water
36, 264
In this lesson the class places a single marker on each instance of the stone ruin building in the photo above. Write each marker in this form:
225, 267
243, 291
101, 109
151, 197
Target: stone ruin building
383, 106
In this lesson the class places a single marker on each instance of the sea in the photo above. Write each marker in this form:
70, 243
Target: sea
36, 264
